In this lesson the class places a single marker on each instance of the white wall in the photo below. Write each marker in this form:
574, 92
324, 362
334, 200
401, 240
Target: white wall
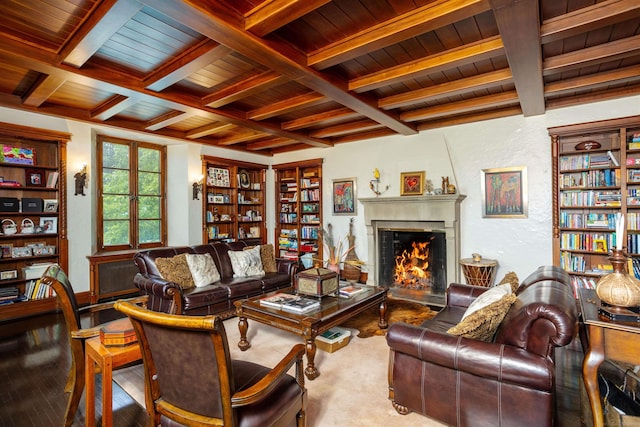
519, 245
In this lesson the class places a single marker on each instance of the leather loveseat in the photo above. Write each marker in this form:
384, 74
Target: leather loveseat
509, 381
214, 298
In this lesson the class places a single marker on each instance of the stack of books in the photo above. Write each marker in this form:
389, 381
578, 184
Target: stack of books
290, 302
350, 290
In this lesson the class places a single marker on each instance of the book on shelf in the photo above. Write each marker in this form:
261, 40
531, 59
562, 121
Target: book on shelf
52, 179
350, 290
301, 305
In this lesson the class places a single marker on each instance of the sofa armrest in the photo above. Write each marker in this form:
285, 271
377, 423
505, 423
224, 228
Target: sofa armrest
288, 266
494, 362
163, 295
459, 295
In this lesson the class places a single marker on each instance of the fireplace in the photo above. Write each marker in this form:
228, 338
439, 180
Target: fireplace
429, 225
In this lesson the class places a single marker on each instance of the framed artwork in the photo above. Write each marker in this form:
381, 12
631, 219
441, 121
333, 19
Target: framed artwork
49, 224
504, 192
412, 183
50, 205
8, 274
7, 250
34, 178
343, 196
244, 180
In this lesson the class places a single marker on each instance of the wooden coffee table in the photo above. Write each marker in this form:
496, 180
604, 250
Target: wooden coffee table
332, 312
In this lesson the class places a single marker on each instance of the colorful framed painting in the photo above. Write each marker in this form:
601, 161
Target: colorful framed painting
504, 192
412, 183
344, 196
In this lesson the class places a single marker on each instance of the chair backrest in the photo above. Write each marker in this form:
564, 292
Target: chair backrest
57, 279
188, 375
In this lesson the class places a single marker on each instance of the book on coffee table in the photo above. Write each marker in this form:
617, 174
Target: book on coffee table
301, 305
277, 300
350, 290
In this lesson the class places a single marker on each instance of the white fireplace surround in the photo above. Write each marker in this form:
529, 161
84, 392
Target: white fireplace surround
414, 213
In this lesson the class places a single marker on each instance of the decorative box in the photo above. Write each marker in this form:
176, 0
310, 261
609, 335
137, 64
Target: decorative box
317, 282
31, 204
9, 204
333, 339
118, 333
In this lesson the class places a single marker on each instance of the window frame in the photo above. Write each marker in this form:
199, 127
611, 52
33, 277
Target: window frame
134, 219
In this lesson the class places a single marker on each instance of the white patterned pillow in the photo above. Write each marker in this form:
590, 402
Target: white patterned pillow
203, 269
246, 263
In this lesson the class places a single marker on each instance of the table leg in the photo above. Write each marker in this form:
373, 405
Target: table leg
90, 391
243, 325
311, 371
107, 392
382, 323
592, 360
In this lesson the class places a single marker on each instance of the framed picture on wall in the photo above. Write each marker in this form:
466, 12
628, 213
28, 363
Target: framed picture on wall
343, 196
412, 183
504, 192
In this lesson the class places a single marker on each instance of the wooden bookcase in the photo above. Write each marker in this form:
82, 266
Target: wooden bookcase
234, 200
596, 173
29, 196
299, 209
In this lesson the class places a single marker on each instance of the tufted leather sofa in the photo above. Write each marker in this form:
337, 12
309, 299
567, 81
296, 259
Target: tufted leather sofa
465, 382
215, 298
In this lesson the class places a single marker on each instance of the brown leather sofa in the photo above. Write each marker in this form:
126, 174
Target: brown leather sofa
215, 298
466, 382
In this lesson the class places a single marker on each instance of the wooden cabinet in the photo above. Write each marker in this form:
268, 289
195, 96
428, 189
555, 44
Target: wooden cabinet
33, 215
299, 210
234, 200
596, 174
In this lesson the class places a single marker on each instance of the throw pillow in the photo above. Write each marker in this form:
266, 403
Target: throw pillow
176, 269
203, 269
488, 297
512, 279
483, 324
246, 263
268, 258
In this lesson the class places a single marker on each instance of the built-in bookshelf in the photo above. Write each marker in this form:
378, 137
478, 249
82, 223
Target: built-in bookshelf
596, 174
234, 200
299, 210
33, 233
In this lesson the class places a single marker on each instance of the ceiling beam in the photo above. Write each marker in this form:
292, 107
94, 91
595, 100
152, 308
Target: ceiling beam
588, 18
594, 81
243, 89
167, 119
99, 29
42, 89
283, 107
445, 90
339, 114
519, 25
345, 128
240, 137
411, 24
112, 106
463, 55
471, 118
270, 143
270, 15
208, 130
276, 55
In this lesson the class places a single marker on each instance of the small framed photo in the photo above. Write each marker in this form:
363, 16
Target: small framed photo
344, 196
600, 245
34, 178
504, 192
7, 250
218, 198
21, 252
8, 274
49, 224
50, 205
44, 250
412, 183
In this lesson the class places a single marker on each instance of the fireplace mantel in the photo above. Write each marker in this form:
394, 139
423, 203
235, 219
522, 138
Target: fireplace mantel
422, 212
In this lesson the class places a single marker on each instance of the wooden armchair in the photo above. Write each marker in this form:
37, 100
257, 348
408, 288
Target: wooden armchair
190, 378
57, 279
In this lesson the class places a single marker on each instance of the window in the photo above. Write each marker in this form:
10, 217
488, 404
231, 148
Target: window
131, 194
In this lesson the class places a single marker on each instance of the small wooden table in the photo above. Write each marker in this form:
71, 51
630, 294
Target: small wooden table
333, 311
107, 359
607, 340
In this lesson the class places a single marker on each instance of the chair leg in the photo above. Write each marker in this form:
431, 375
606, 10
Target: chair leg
75, 386
302, 419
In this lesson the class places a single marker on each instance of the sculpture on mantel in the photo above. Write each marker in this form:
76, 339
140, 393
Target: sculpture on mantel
374, 184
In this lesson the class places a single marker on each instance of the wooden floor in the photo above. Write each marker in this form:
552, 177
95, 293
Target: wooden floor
35, 358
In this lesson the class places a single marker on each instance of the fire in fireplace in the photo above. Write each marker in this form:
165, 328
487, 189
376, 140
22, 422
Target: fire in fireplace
412, 259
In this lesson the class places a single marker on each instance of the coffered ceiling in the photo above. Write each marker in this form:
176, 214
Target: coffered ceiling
267, 76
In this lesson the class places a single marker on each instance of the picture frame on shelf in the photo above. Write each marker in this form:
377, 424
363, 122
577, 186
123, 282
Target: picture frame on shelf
412, 183
6, 250
600, 245
49, 225
218, 198
504, 192
34, 178
21, 252
244, 180
343, 196
8, 274
50, 205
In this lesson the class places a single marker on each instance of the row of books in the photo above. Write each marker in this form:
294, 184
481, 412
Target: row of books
35, 289
590, 198
592, 178
309, 183
309, 232
590, 220
310, 195
585, 161
592, 242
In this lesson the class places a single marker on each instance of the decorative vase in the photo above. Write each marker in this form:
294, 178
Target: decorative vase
619, 288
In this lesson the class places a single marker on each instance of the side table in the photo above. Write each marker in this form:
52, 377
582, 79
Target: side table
607, 340
479, 271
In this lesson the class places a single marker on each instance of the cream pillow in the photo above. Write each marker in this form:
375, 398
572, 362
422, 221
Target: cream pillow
176, 270
488, 297
246, 263
267, 257
203, 269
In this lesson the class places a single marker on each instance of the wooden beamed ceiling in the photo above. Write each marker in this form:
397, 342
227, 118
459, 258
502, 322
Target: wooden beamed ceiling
269, 76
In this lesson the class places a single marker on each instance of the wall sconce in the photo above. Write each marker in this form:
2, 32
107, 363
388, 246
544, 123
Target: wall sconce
81, 180
197, 189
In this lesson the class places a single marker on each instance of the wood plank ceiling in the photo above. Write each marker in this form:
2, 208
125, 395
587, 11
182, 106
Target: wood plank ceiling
268, 76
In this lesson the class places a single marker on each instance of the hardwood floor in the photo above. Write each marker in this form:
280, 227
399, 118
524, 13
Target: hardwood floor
35, 358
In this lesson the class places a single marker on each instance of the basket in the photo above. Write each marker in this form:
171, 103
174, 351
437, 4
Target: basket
9, 227
27, 226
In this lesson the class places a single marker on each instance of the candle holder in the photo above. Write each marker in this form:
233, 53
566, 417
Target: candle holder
618, 289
